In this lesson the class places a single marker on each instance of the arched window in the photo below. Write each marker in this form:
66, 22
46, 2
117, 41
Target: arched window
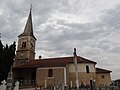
87, 69
24, 44
50, 73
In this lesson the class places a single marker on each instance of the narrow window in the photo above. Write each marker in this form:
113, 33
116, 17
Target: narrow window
102, 76
50, 73
23, 44
87, 69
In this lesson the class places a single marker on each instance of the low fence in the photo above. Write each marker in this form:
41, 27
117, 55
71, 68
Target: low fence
27, 83
99, 88
32, 83
86, 88
108, 88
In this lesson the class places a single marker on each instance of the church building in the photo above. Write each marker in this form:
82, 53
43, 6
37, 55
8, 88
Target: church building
46, 72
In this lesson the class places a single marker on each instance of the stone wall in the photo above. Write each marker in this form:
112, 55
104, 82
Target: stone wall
84, 78
103, 79
42, 75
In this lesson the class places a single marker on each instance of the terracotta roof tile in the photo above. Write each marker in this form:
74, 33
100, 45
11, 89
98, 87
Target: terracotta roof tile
99, 70
53, 62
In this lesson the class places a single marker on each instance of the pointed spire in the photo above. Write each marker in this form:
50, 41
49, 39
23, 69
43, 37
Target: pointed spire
28, 30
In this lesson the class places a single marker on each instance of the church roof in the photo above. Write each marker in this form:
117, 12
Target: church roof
99, 70
28, 30
53, 62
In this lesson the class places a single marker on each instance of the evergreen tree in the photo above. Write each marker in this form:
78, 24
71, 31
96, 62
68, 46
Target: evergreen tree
1, 47
7, 55
116, 82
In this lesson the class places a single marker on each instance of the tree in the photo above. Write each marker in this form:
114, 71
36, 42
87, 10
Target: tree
1, 47
116, 82
7, 55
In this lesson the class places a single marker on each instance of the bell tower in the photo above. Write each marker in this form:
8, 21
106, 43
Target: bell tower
26, 43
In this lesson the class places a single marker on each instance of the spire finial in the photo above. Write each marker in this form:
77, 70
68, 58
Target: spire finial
31, 7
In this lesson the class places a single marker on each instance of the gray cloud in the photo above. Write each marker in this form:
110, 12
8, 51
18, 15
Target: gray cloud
61, 25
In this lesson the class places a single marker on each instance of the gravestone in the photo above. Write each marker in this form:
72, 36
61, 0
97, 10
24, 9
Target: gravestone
3, 86
16, 86
10, 80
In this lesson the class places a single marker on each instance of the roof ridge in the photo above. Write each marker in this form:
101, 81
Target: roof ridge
102, 69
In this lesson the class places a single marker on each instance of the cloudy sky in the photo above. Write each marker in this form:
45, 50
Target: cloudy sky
92, 26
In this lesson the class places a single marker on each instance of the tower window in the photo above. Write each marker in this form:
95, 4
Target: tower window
87, 69
24, 44
50, 73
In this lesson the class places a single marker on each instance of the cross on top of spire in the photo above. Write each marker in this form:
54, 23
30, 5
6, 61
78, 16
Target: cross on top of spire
74, 53
31, 7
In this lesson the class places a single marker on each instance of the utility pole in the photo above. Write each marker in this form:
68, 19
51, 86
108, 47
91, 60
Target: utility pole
76, 68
